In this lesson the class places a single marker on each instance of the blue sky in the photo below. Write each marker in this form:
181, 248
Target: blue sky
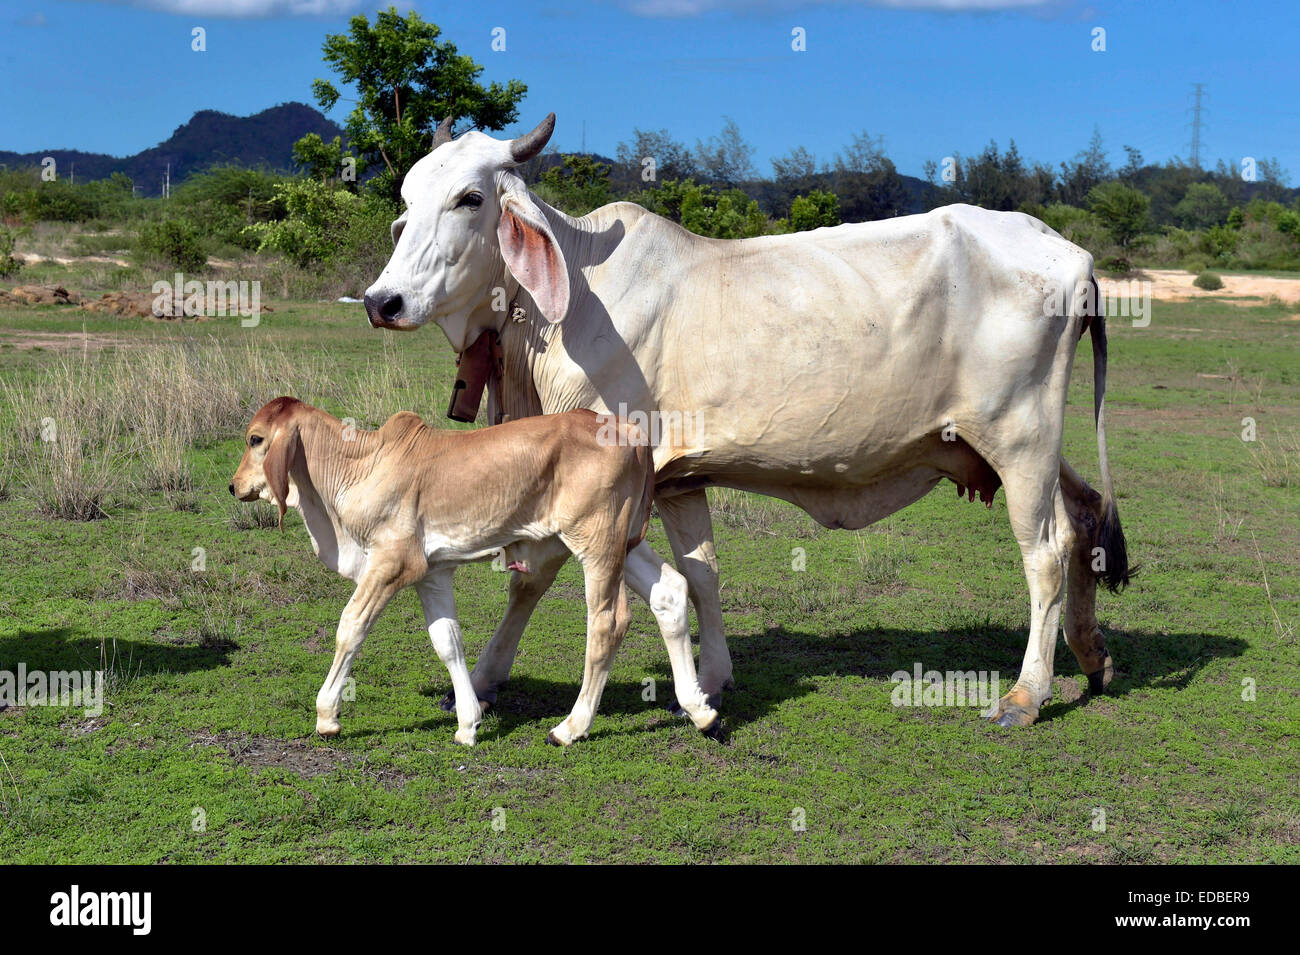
931, 77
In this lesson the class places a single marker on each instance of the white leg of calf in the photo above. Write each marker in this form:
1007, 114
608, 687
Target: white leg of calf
444, 630
667, 593
446, 636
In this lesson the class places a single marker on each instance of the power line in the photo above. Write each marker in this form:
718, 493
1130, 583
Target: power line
1196, 126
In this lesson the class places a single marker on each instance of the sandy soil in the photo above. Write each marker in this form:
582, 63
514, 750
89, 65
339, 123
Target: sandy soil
1175, 285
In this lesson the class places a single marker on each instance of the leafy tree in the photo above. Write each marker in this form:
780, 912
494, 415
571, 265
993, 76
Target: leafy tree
725, 158
1088, 169
321, 160
796, 167
407, 81
1203, 206
317, 223
673, 159
814, 210
1122, 209
721, 215
578, 186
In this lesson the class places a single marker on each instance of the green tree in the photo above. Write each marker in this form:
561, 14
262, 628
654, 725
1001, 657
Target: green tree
577, 186
406, 82
1122, 209
1203, 205
814, 210
725, 158
321, 160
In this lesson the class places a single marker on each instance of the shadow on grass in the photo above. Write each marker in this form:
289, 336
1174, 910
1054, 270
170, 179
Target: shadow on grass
59, 648
779, 665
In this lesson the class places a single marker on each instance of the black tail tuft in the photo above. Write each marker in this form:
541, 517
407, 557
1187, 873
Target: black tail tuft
1115, 572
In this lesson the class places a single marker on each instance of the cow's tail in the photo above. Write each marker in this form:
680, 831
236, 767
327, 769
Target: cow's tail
647, 498
1115, 571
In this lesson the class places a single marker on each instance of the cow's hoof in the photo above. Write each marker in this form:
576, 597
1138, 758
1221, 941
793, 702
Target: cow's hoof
1097, 682
554, 740
715, 730
1015, 709
327, 728
464, 737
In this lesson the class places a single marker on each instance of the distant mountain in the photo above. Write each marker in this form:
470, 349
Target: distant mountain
209, 138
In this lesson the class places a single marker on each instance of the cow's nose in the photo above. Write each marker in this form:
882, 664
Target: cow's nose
232, 487
383, 308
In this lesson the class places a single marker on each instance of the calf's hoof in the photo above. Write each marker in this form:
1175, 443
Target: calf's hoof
465, 737
1098, 681
484, 702
327, 727
1015, 709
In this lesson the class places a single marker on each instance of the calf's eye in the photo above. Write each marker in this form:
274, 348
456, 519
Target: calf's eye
254, 441
471, 200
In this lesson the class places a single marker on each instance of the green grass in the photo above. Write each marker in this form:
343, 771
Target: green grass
214, 673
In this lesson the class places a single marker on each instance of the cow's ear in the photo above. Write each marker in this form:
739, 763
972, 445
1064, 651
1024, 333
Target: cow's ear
532, 254
279, 460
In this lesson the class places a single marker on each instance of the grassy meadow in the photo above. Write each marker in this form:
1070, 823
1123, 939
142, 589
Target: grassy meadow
120, 547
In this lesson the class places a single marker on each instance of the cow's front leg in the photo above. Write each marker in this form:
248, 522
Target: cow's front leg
690, 533
444, 630
375, 588
493, 666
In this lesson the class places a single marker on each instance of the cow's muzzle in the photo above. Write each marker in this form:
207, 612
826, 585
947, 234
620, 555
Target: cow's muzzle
382, 310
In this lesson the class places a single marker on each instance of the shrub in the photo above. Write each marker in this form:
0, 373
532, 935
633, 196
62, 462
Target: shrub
323, 223
9, 263
1116, 265
172, 242
1209, 281
814, 210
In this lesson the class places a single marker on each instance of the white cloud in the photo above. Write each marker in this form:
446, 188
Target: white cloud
248, 9
692, 8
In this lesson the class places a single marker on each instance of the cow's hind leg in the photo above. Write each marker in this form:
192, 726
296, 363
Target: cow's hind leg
690, 533
665, 590
492, 668
1046, 536
1081, 631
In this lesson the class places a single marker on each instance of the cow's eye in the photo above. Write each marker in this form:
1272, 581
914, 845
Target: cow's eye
254, 441
471, 200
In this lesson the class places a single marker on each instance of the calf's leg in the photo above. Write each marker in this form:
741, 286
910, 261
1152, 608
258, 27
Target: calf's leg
444, 630
383, 579
607, 618
493, 666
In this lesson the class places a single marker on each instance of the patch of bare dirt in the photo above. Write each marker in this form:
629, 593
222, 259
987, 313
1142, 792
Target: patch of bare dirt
263, 752
1175, 285
33, 258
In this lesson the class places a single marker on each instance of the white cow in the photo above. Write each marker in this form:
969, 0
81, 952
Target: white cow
847, 370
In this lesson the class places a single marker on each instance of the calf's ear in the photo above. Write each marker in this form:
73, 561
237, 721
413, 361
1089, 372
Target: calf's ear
532, 254
280, 458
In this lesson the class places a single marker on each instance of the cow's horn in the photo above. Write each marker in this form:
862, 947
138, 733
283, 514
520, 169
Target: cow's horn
443, 133
530, 144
